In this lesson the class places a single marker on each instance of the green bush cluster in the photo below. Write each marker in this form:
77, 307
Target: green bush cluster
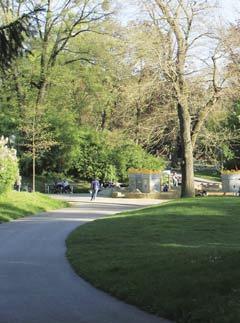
8, 166
108, 156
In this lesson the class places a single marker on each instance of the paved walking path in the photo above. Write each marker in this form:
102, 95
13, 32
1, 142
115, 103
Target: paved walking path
37, 284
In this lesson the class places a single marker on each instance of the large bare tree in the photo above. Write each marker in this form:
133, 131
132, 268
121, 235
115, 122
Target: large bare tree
180, 28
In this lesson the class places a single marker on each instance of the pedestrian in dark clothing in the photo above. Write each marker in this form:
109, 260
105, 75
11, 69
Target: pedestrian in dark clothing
165, 188
95, 186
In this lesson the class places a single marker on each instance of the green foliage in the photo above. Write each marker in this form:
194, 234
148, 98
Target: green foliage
232, 149
8, 166
227, 152
105, 80
130, 155
64, 131
13, 37
83, 84
93, 157
109, 158
233, 119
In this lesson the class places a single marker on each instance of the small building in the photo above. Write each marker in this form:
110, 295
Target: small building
144, 180
231, 181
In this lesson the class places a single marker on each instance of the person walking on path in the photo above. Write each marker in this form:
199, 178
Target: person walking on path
95, 188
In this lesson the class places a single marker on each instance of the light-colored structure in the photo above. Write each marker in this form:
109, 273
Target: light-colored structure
231, 182
144, 180
145, 183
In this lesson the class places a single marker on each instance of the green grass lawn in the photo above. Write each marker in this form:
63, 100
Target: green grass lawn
208, 174
180, 260
14, 205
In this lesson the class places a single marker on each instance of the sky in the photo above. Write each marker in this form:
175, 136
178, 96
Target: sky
229, 10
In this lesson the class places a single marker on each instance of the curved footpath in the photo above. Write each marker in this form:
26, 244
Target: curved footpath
37, 284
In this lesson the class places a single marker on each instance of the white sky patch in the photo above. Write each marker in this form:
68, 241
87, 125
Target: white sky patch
229, 10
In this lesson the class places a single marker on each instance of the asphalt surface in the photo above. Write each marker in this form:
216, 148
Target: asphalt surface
37, 284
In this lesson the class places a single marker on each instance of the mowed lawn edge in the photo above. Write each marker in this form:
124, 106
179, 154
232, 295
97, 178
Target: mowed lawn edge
179, 260
14, 205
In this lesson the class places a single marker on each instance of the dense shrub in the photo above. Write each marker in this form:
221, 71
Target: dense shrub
8, 166
108, 156
130, 155
93, 157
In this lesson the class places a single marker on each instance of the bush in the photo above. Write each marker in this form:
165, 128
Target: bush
130, 155
8, 166
93, 157
108, 156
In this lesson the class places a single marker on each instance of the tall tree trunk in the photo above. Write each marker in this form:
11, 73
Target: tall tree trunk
43, 83
104, 119
34, 170
176, 153
187, 152
137, 128
19, 91
42, 91
34, 150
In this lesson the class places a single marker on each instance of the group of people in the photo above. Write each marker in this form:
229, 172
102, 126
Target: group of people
175, 182
96, 186
62, 187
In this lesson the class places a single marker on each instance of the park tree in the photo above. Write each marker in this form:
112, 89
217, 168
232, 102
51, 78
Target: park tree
86, 71
231, 46
60, 25
37, 137
98, 76
14, 33
13, 36
57, 26
181, 27
146, 110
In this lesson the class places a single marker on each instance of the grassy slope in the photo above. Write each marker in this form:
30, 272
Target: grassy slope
15, 205
180, 260
210, 175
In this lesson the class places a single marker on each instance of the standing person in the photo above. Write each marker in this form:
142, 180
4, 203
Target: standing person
175, 179
18, 183
94, 187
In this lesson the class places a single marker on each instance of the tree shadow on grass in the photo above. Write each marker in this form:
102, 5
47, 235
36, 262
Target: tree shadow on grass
192, 224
